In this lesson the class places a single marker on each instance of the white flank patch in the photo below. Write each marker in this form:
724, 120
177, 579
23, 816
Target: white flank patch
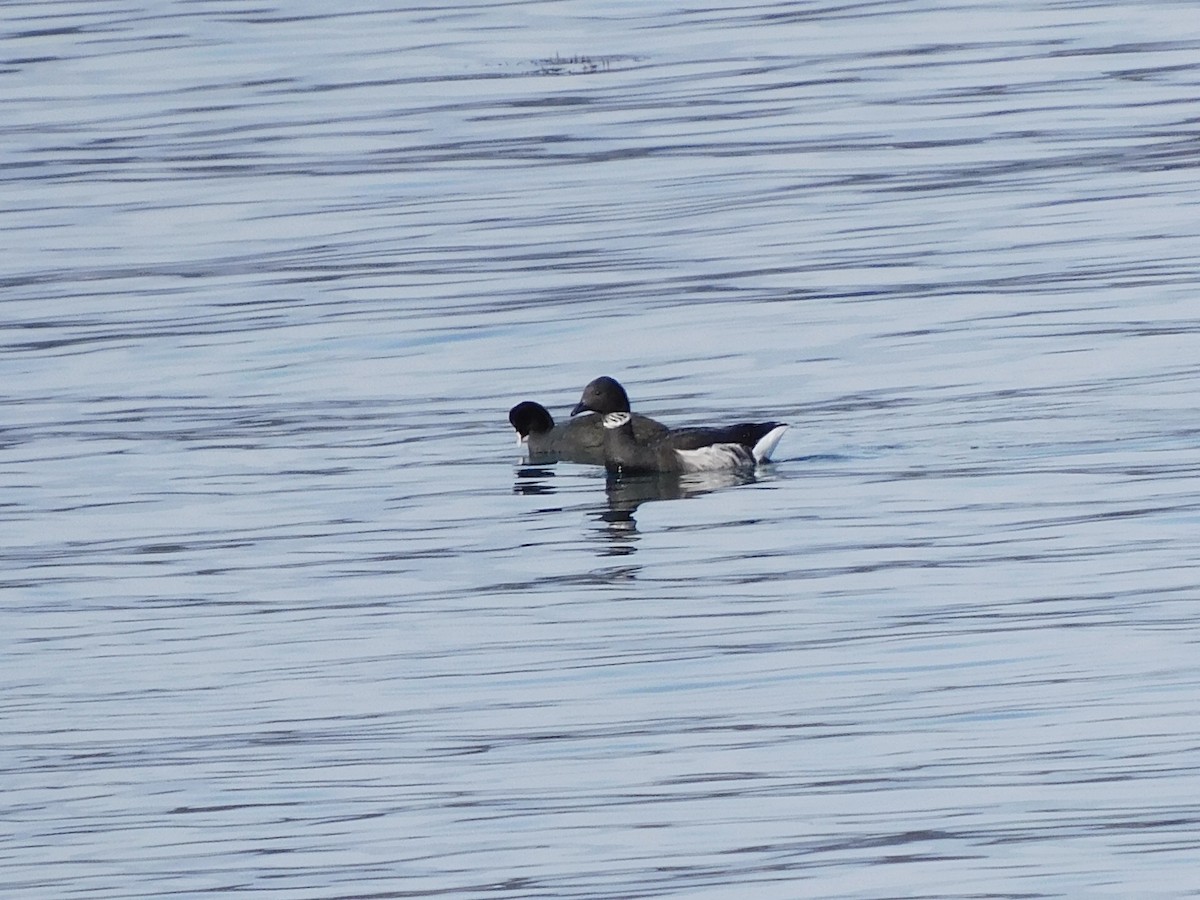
715, 457
766, 444
616, 420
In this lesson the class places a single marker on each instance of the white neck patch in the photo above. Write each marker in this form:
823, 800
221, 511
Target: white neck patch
616, 420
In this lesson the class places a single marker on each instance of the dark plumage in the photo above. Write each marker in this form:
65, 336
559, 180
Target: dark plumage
624, 453
602, 395
579, 440
606, 395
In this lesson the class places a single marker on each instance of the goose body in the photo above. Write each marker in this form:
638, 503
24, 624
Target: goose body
606, 396
624, 453
578, 440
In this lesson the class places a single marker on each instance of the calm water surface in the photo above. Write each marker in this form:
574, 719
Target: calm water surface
285, 611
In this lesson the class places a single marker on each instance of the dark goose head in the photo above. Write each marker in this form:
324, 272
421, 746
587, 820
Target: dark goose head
530, 418
602, 395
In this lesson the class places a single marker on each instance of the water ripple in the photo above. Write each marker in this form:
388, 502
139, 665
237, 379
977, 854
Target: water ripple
288, 611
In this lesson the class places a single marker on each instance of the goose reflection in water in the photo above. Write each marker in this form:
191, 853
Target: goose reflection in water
533, 480
625, 493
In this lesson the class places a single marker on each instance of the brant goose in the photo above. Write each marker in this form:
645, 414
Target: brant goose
605, 396
580, 440
624, 453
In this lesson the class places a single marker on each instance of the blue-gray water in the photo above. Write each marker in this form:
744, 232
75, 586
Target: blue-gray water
284, 612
